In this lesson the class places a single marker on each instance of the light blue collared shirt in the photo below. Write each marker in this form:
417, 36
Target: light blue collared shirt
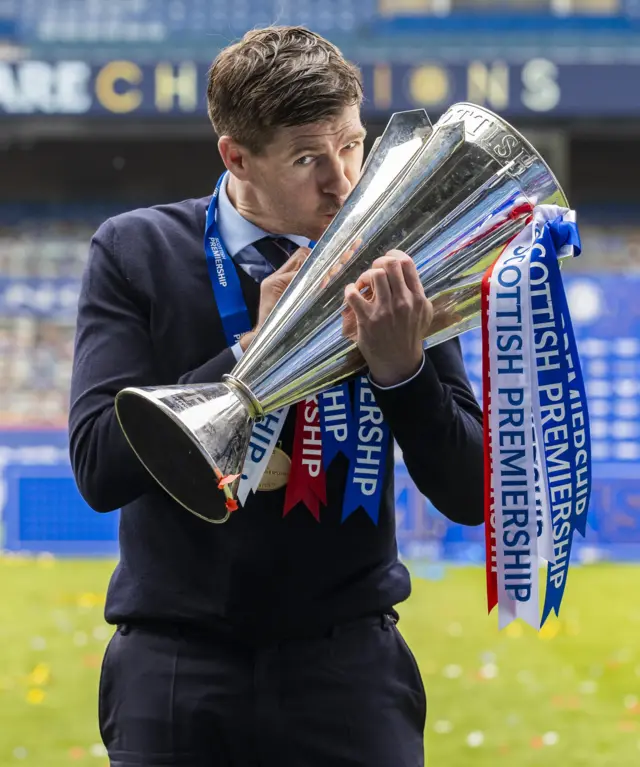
238, 235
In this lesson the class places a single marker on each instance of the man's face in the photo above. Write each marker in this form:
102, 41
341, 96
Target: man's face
305, 174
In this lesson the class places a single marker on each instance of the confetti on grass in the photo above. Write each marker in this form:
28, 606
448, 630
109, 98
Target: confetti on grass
550, 630
525, 677
101, 633
513, 720
475, 739
88, 600
47, 606
40, 675
488, 671
571, 702
35, 696
537, 742
452, 671
455, 630
514, 631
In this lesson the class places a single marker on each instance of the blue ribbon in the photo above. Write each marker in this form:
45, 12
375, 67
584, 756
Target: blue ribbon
566, 233
368, 461
224, 277
336, 420
565, 442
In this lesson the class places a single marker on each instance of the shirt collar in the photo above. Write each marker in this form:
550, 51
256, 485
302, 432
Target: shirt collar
237, 232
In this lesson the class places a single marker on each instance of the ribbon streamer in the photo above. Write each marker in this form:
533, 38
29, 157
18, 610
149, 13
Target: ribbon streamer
537, 451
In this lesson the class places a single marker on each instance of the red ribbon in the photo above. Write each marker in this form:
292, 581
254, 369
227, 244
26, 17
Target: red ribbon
307, 481
489, 518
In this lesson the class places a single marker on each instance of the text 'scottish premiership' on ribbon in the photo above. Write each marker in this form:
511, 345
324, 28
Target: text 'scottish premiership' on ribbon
537, 448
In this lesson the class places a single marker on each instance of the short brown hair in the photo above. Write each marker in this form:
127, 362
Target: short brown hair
277, 77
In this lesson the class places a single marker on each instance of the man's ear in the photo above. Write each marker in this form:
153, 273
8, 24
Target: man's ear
235, 157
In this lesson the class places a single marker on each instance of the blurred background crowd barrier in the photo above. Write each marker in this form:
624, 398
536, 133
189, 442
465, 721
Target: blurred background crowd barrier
102, 109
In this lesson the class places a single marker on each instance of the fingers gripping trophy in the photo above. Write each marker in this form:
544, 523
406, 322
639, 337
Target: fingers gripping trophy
450, 195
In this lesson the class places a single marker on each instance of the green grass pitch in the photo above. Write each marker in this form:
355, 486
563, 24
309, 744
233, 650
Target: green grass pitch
567, 697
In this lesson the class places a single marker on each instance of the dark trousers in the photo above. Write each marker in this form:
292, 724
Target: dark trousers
352, 698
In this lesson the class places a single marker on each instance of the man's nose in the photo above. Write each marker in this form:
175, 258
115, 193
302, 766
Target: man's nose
336, 182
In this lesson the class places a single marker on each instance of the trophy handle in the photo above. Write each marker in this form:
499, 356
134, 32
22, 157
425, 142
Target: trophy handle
402, 127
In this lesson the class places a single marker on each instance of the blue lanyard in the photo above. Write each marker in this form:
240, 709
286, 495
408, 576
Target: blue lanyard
224, 277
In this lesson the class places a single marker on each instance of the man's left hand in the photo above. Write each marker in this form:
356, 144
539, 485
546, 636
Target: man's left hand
390, 321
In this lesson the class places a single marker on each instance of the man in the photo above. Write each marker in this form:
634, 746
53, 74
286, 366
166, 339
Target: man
270, 639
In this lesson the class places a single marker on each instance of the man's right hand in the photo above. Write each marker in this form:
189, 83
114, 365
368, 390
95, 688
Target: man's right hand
272, 287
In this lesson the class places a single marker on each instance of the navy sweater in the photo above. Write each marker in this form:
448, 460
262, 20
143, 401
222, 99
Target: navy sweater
147, 317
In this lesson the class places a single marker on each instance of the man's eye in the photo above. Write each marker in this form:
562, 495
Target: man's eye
352, 145
306, 160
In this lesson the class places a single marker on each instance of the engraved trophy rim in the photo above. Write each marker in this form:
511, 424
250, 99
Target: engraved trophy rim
145, 396
509, 127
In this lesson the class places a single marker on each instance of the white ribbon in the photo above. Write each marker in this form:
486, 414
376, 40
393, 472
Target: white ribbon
264, 438
512, 434
530, 476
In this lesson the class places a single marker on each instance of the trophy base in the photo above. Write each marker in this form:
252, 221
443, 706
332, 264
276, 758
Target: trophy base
178, 463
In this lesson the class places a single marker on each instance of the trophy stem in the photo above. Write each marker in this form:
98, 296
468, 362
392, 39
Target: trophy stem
255, 409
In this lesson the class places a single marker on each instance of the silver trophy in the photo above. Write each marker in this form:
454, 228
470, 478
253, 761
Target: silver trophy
451, 196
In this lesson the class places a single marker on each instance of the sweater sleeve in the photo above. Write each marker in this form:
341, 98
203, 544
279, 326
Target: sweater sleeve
437, 422
113, 350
